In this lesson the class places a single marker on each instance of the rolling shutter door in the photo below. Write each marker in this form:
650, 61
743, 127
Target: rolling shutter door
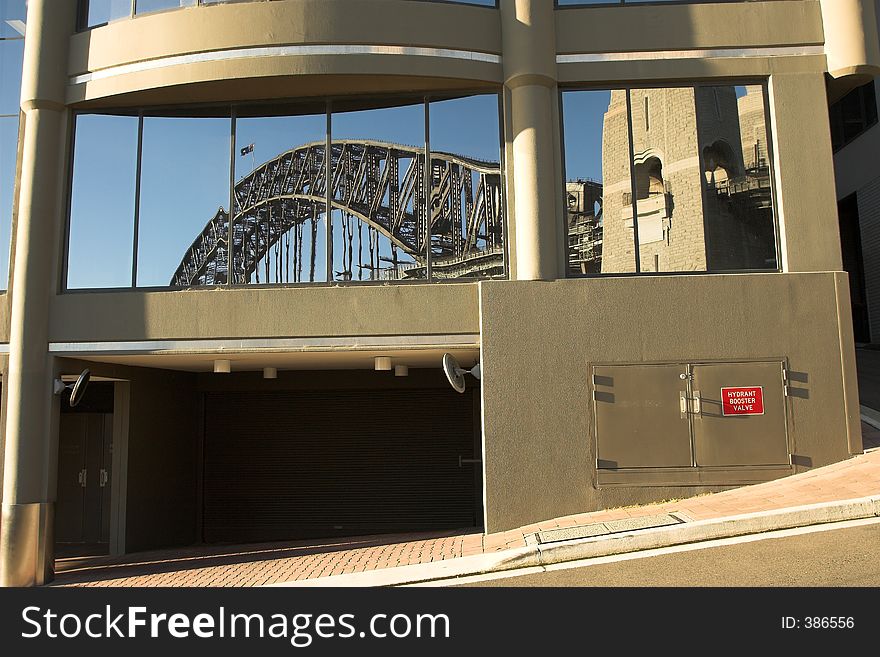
294, 464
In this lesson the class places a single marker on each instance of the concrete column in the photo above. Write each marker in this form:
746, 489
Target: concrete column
532, 138
851, 43
806, 202
26, 542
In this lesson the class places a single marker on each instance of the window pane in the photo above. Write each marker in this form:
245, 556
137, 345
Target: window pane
738, 212
378, 228
102, 202
668, 189
869, 98
144, 6
8, 152
98, 12
183, 225
11, 53
280, 199
467, 218
598, 187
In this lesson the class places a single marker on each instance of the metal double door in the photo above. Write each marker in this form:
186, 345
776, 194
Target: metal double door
82, 511
673, 416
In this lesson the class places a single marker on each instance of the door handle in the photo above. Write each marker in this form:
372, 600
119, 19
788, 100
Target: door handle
695, 408
81, 477
462, 461
102, 478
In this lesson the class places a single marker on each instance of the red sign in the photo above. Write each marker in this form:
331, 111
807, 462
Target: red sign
742, 401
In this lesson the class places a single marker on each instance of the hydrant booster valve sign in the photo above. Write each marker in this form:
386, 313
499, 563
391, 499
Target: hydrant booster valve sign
742, 401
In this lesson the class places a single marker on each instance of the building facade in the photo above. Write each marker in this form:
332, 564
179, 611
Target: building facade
260, 225
855, 138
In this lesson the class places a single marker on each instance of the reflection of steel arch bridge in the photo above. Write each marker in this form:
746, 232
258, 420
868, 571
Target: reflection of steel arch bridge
379, 185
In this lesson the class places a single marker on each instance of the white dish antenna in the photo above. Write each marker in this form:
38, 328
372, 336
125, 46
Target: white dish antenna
455, 374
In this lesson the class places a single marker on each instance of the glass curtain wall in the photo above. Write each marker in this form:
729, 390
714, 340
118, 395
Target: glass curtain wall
697, 195
150, 195
12, 27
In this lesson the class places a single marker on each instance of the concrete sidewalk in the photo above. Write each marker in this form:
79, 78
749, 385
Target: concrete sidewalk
836, 491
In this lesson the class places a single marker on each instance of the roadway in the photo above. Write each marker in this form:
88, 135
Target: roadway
843, 554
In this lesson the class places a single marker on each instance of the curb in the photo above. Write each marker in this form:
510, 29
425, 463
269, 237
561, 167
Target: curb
540, 555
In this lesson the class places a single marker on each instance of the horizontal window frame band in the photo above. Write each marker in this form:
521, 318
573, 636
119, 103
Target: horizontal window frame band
323, 50
263, 345
326, 50
703, 53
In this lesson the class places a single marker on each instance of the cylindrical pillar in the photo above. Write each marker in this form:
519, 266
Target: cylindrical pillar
851, 44
26, 543
533, 140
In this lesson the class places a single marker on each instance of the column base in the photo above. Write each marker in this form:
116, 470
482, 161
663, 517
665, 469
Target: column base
27, 548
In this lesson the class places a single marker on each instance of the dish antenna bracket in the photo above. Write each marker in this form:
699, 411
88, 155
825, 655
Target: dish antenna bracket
77, 389
455, 373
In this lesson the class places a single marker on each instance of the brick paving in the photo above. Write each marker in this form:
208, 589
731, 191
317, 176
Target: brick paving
256, 565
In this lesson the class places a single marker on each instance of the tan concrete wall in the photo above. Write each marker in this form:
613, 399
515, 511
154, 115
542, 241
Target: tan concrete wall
288, 22
688, 26
543, 336
266, 312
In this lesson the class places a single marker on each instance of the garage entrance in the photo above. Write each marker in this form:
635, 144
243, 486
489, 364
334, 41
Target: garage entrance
280, 465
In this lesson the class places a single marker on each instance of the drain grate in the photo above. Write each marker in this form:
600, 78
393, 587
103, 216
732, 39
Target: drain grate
604, 528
